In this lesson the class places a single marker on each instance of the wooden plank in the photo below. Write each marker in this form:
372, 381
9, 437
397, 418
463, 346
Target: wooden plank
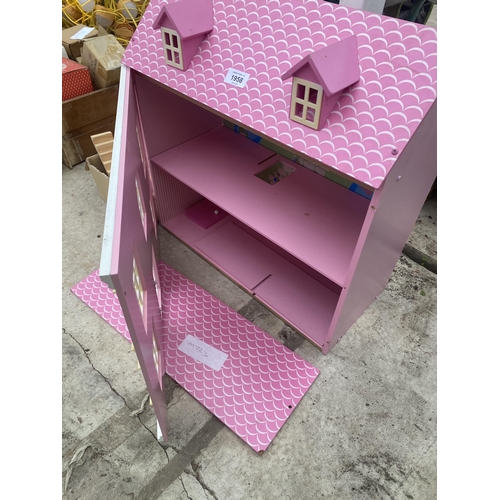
103, 144
77, 145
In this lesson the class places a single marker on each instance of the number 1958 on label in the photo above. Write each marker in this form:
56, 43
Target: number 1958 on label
237, 78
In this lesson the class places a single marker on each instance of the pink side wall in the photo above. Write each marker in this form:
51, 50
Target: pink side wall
131, 239
174, 197
158, 107
306, 73
397, 205
147, 166
327, 106
189, 49
161, 132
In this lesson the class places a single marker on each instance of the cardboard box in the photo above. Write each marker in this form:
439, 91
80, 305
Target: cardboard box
103, 55
101, 178
83, 117
76, 79
73, 46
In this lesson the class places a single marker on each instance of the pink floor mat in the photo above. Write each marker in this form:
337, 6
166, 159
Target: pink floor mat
251, 382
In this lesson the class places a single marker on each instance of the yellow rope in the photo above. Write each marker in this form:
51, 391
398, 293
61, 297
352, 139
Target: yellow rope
126, 16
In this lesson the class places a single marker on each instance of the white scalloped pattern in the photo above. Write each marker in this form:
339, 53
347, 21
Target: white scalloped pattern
398, 63
259, 384
102, 300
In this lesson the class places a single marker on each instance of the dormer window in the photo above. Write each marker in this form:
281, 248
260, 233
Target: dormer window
319, 79
183, 26
306, 102
172, 47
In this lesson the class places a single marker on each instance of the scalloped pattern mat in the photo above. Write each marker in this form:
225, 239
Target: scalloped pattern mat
260, 383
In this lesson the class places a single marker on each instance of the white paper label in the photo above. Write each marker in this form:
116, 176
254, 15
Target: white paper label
235, 77
203, 352
80, 35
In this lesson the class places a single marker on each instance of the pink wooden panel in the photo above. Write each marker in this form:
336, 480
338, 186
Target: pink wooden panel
293, 294
143, 148
191, 233
239, 255
290, 258
190, 48
133, 239
387, 230
316, 220
167, 119
205, 214
173, 196
300, 300
187, 17
397, 86
260, 383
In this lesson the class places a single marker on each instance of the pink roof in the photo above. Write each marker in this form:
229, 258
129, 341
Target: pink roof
396, 88
190, 17
336, 66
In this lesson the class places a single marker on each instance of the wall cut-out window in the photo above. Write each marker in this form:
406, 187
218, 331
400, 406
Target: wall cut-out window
155, 354
141, 150
138, 285
153, 214
142, 211
306, 102
156, 278
172, 46
156, 358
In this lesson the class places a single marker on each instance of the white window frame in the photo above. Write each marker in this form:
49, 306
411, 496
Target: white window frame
167, 34
156, 280
138, 286
156, 358
155, 355
142, 208
305, 102
153, 213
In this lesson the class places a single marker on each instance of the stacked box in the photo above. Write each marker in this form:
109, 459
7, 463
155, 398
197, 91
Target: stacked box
103, 55
76, 79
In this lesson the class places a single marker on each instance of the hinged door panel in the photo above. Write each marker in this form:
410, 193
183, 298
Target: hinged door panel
130, 247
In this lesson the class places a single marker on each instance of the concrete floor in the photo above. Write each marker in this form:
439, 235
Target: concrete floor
365, 430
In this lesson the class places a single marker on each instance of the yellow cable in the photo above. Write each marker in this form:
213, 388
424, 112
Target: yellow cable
73, 13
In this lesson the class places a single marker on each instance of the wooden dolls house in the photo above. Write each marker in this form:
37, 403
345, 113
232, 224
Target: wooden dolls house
309, 222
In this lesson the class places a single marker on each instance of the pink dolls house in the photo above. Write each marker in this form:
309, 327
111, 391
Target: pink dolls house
292, 146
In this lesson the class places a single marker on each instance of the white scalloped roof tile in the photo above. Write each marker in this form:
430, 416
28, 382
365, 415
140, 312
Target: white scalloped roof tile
398, 64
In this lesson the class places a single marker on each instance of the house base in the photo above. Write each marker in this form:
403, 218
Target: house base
259, 383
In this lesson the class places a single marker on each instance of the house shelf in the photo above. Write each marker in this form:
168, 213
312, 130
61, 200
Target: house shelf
294, 292
312, 218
